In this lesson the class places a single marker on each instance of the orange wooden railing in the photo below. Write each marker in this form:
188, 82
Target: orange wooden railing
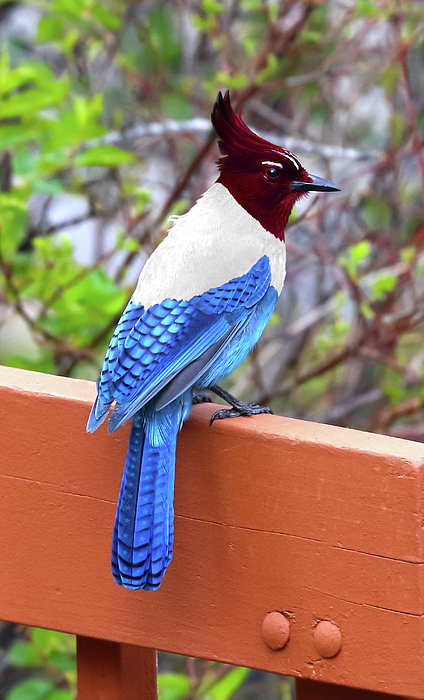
323, 525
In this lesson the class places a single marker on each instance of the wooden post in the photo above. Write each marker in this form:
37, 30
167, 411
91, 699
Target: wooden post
113, 671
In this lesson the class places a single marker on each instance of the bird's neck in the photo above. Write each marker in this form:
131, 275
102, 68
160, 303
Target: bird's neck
272, 216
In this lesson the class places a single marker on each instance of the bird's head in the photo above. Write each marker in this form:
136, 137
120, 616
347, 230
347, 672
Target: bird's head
265, 179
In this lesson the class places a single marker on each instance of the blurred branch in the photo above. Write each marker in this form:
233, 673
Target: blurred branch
335, 414
385, 417
128, 138
411, 113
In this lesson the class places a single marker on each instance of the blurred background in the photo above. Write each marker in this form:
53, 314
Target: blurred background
105, 133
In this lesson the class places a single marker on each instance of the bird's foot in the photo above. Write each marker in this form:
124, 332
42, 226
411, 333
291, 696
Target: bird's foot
238, 408
246, 409
201, 397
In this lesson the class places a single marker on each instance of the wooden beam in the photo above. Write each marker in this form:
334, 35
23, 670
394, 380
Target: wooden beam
272, 514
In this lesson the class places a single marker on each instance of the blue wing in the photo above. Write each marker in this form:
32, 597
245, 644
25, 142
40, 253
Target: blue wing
151, 348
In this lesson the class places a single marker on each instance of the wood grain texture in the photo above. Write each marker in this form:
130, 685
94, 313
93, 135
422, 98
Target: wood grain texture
112, 671
271, 514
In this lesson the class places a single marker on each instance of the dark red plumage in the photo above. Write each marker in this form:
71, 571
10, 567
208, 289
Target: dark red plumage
236, 139
245, 162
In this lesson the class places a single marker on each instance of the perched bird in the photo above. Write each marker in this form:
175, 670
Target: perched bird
202, 301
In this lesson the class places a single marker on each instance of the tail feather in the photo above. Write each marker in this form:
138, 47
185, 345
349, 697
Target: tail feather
98, 413
144, 525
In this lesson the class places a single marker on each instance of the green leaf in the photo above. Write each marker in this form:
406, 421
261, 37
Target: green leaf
211, 7
59, 694
366, 310
232, 82
311, 37
397, 126
273, 8
286, 690
62, 660
406, 254
48, 640
52, 186
108, 19
23, 654
123, 243
176, 106
271, 68
421, 120
392, 385
107, 155
9, 201
24, 161
226, 686
162, 37
331, 336
144, 196
375, 213
52, 160
172, 686
293, 216
178, 208
28, 72
360, 251
49, 29
385, 283
203, 24
13, 224
30, 101
366, 8
354, 256
12, 135
31, 689
389, 78
71, 8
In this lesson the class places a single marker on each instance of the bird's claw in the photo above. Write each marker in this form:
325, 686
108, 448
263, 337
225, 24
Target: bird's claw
244, 409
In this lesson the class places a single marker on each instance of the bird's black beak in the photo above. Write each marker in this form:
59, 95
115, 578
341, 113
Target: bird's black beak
318, 184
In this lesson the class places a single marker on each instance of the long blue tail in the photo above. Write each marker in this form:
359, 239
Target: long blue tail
144, 525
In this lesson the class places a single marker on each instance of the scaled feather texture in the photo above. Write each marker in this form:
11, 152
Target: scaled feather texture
192, 338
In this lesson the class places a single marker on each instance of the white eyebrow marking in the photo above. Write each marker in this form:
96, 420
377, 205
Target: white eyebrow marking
285, 155
270, 162
296, 165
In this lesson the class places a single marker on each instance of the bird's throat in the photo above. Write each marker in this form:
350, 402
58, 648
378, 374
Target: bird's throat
273, 216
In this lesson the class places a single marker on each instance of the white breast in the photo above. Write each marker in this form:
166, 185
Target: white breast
217, 240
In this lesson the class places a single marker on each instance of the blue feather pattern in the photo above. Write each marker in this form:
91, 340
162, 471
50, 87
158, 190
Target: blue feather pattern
144, 526
149, 349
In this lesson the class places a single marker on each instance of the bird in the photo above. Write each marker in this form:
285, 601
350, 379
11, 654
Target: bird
201, 303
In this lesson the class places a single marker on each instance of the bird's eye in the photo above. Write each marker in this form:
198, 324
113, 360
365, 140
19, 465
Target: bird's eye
272, 173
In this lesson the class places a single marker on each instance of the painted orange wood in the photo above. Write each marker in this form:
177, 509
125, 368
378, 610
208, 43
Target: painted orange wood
312, 690
112, 671
318, 522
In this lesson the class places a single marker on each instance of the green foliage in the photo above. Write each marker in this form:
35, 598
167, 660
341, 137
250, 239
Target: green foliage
210, 684
354, 256
52, 654
172, 686
385, 283
375, 213
225, 687
108, 156
32, 689
333, 336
